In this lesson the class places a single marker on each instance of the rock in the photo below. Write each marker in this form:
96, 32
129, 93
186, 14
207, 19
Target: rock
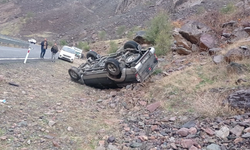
247, 129
51, 123
193, 148
238, 140
230, 23
183, 132
22, 124
192, 30
55, 143
235, 68
189, 124
70, 129
172, 145
111, 139
240, 99
3, 138
207, 41
247, 135
209, 131
112, 147
181, 42
99, 100
182, 51
187, 143
135, 145
223, 132
152, 107
218, 59
239, 33
213, 147
234, 55
195, 48
246, 24
2, 79
48, 137
100, 148
247, 29
192, 130
172, 119
237, 130
113, 93
214, 51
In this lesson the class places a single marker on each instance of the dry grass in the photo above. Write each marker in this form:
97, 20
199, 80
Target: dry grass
191, 90
46, 93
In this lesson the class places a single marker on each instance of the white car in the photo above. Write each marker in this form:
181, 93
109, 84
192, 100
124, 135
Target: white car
67, 53
32, 41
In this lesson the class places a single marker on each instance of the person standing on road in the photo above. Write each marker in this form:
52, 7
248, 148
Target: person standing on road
54, 50
44, 46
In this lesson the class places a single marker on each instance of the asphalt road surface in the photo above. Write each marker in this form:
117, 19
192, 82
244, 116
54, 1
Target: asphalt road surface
19, 54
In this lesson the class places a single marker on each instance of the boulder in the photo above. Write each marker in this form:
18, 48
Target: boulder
229, 24
235, 68
207, 41
214, 51
246, 24
181, 42
234, 55
181, 51
247, 29
140, 38
192, 31
240, 99
218, 59
239, 33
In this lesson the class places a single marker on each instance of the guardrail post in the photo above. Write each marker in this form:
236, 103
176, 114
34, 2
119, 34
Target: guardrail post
27, 56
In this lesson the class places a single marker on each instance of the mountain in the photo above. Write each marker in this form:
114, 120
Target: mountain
83, 20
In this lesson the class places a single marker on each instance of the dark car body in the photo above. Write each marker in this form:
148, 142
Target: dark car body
129, 65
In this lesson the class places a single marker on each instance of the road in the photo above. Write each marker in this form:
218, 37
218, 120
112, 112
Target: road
10, 53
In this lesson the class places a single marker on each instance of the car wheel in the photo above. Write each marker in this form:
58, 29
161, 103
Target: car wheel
74, 74
132, 58
112, 66
93, 55
131, 44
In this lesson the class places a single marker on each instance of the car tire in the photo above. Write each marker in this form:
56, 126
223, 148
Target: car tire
93, 55
112, 66
74, 74
133, 58
131, 44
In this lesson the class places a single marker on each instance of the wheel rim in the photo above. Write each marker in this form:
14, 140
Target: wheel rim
112, 68
132, 58
73, 75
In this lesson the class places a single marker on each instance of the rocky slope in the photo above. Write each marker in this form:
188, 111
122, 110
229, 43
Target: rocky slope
83, 20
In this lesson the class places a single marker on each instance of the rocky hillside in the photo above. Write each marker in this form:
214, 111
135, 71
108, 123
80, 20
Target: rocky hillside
82, 20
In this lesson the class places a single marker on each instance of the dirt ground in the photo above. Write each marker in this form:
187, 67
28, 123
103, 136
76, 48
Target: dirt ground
44, 109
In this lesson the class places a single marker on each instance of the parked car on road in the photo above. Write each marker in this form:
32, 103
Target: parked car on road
32, 41
67, 53
131, 64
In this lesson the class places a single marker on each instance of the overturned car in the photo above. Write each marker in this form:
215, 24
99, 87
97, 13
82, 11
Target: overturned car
130, 64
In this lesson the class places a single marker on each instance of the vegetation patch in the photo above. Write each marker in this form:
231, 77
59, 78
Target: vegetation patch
159, 33
113, 47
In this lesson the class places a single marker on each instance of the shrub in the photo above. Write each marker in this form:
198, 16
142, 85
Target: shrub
132, 32
120, 31
159, 33
50, 44
102, 35
113, 47
63, 42
228, 9
84, 45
